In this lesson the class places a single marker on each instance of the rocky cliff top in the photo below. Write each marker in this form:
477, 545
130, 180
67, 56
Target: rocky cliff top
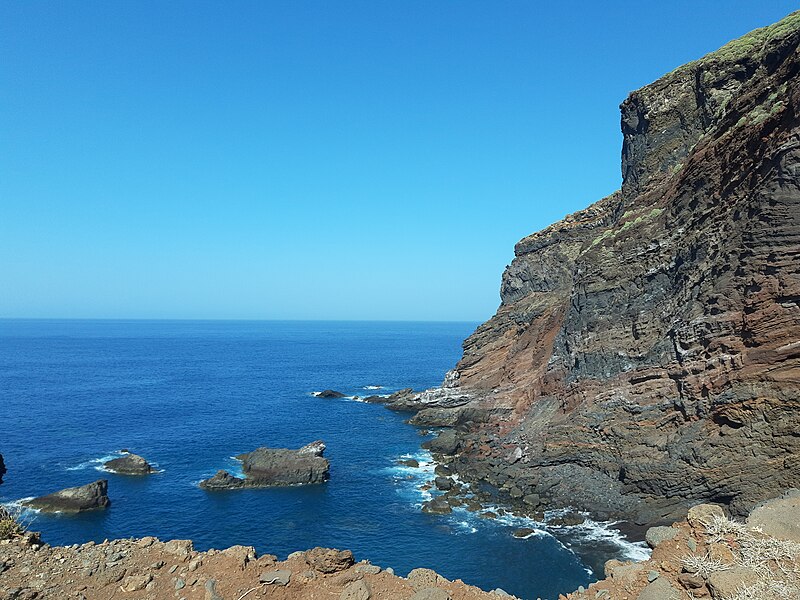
662, 122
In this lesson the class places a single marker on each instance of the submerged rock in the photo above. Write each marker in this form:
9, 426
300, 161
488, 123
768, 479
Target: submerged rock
266, 467
2, 468
129, 464
91, 496
523, 532
437, 506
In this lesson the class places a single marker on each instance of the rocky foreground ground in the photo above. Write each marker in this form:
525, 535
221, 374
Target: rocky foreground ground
706, 556
711, 556
151, 569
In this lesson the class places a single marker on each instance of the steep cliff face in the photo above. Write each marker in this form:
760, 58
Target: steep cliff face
646, 353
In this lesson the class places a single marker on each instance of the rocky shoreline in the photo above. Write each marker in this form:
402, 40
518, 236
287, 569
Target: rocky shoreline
455, 476
707, 556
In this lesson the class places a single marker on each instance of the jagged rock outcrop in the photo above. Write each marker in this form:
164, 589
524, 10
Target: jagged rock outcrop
266, 467
92, 496
646, 352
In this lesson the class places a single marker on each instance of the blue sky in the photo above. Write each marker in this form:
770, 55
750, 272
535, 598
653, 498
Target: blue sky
311, 160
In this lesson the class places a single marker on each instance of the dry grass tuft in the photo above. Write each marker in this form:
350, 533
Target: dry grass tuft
775, 562
13, 522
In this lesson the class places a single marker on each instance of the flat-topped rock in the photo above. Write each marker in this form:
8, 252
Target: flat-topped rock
266, 467
129, 464
91, 496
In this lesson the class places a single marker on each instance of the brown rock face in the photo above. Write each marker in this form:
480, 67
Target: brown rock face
648, 347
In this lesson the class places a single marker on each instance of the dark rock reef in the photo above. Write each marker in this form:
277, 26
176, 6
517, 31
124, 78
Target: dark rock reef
2, 468
267, 467
91, 496
329, 394
129, 464
646, 352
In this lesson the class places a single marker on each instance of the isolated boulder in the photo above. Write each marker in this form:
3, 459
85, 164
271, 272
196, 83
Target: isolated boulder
91, 496
329, 560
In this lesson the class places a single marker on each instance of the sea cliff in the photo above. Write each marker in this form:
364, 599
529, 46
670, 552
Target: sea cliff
645, 353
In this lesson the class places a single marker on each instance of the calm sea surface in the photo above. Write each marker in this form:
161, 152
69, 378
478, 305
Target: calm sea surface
189, 395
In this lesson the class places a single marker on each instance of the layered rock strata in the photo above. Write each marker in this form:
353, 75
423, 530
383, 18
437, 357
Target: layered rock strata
267, 467
646, 352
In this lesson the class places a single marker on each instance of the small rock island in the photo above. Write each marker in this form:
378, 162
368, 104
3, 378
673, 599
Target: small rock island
269, 467
129, 464
91, 496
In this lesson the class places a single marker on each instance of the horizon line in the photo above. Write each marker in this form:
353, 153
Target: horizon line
243, 320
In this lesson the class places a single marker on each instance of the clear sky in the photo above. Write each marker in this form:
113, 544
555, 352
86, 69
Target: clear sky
311, 160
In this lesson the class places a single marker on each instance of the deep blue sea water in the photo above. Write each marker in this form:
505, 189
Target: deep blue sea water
189, 395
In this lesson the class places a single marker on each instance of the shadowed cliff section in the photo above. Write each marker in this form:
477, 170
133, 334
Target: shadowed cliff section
646, 353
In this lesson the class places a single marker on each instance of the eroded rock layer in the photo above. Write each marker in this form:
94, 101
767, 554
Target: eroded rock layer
646, 352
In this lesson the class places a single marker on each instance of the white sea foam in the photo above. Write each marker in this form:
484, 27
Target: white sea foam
604, 531
98, 464
234, 468
411, 479
373, 387
24, 514
95, 463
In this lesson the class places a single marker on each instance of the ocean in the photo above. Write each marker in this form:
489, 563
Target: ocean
189, 395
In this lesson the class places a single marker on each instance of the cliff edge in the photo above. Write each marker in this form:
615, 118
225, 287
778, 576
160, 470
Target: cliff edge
646, 352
